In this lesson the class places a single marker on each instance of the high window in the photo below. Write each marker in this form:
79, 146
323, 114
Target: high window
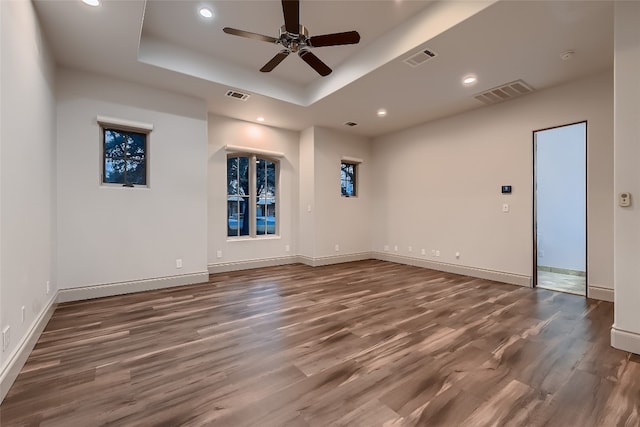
124, 157
348, 179
251, 196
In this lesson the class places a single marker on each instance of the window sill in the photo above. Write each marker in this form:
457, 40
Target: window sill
253, 239
116, 186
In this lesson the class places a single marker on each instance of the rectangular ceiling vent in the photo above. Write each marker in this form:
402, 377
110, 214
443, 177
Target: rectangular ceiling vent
420, 57
504, 92
237, 95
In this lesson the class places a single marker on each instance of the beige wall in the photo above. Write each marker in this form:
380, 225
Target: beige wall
27, 176
438, 185
307, 225
342, 221
112, 234
626, 329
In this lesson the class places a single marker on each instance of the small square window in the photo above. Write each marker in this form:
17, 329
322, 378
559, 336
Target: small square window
124, 157
348, 179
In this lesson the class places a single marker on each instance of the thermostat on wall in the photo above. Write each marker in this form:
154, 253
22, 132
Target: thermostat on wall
506, 189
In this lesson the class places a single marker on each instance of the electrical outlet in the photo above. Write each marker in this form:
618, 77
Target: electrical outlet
219, 254
179, 263
287, 248
424, 251
386, 248
23, 313
505, 207
410, 249
395, 248
6, 338
48, 287
433, 252
457, 255
337, 247
437, 252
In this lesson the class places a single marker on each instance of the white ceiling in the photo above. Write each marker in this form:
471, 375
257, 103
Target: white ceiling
166, 44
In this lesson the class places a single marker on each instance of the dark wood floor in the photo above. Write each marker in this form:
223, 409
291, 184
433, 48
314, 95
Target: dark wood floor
359, 344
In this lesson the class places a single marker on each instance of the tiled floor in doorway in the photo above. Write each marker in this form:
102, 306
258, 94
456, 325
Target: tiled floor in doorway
562, 282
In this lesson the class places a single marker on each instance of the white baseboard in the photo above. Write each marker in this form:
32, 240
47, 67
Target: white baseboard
20, 355
600, 293
254, 263
333, 259
111, 289
625, 340
498, 276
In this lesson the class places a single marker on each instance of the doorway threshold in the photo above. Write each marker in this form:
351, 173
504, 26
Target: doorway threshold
568, 283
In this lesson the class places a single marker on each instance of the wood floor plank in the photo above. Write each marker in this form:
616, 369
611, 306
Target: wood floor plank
368, 343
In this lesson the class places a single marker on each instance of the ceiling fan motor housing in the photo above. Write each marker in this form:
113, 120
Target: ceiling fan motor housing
294, 42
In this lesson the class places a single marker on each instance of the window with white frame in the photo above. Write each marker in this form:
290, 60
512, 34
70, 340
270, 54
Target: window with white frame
252, 202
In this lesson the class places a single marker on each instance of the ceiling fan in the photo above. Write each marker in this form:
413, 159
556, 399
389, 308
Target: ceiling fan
294, 38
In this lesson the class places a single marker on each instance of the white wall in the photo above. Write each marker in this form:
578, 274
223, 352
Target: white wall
438, 184
307, 226
114, 234
626, 329
561, 197
342, 221
27, 171
242, 251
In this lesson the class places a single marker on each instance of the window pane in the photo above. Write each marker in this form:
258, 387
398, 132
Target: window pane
232, 175
271, 218
238, 175
136, 173
114, 143
266, 197
114, 171
135, 144
237, 212
244, 175
261, 219
234, 223
271, 179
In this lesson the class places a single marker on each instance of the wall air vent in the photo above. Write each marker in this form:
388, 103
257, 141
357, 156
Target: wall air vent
351, 124
237, 95
420, 57
504, 92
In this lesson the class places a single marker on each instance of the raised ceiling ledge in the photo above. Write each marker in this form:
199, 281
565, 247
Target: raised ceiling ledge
435, 19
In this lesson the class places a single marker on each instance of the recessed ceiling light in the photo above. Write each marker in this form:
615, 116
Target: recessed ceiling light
382, 112
91, 2
205, 12
469, 80
260, 119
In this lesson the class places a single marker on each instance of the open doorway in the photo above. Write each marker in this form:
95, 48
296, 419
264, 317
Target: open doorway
560, 208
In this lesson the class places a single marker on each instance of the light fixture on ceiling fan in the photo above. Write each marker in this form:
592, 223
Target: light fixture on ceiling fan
294, 38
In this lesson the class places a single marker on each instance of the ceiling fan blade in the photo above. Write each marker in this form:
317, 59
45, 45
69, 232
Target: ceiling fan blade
249, 35
291, 12
335, 39
315, 62
280, 56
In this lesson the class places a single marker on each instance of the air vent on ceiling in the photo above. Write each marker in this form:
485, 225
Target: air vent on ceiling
504, 92
237, 95
351, 124
420, 57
